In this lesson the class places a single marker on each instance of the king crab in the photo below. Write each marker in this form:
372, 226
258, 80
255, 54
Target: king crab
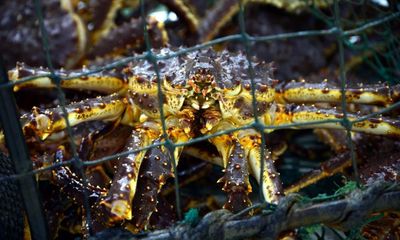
204, 93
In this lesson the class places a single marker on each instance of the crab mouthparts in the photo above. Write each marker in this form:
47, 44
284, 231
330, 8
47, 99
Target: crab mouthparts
202, 102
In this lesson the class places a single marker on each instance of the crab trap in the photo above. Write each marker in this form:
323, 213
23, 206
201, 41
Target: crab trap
186, 119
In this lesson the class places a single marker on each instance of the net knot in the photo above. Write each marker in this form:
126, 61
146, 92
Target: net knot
346, 123
258, 126
56, 79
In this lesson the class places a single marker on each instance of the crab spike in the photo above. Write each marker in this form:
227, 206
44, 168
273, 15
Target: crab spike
302, 92
43, 123
294, 114
105, 81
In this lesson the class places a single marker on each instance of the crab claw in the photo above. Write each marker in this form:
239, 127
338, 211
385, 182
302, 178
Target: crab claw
37, 123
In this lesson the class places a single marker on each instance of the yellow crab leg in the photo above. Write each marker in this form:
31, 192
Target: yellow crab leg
110, 81
118, 201
293, 114
336, 139
155, 171
203, 155
157, 168
43, 122
342, 158
272, 185
158, 164
302, 92
335, 165
240, 150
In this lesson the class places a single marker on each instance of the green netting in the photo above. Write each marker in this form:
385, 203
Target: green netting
371, 40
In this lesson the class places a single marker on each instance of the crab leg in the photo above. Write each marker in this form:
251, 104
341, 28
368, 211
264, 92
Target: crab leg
272, 188
96, 175
185, 11
203, 155
118, 201
293, 114
43, 122
71, 184
302, 92
337, 140
155, 171
74, 188
54, 207
239, 150
157, 168
236, 177
375, 155
124, 184
213, 22
106, 81
335, 165
68, 181
129, 37
272, 185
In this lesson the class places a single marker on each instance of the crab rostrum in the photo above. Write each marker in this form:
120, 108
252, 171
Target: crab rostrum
203, 93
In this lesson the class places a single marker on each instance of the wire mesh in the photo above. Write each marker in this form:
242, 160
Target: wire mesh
385, 61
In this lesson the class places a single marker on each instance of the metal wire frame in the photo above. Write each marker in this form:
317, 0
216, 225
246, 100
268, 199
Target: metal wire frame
244, 37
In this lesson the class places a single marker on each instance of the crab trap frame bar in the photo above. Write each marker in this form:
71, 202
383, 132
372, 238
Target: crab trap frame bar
19, 154
14, 137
